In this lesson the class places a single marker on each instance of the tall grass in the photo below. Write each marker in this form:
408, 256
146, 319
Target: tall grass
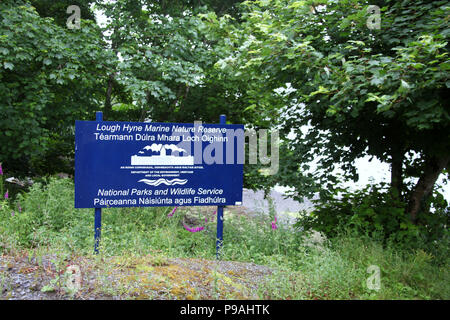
304, 268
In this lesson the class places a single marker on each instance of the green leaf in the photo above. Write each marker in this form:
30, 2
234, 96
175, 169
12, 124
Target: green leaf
297, 4
4, 51
251, 107
48, 288
377, 80
404, 86
8, 65
321, 90
445, 66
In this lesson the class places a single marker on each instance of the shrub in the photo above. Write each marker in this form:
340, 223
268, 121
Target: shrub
374, 212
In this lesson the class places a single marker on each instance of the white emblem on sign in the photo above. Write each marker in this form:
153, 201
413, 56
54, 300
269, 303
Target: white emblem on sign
161, 155
156, 183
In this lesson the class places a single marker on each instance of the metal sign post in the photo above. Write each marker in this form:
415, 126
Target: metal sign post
219, 241
98, 211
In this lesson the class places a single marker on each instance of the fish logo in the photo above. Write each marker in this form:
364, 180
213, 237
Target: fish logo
160, 181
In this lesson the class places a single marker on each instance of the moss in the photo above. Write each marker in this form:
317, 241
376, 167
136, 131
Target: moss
144, 268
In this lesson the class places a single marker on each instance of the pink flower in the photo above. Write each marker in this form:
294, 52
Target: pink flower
274, 224
6, 194
173, 211
197, 229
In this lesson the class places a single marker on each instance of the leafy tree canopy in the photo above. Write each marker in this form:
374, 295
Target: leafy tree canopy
357, 90
49, 76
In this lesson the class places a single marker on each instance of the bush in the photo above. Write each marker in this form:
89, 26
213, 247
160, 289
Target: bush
46, 208
341, 268
374, 212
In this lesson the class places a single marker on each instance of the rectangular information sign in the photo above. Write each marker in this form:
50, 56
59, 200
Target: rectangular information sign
131, 164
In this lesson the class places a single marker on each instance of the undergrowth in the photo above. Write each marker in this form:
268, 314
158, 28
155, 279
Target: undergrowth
305, 266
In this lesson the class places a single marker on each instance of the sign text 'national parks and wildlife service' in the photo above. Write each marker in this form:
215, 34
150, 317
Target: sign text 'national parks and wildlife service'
128, 164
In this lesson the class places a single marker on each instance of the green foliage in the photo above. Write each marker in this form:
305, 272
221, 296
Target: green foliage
305, 266
49, 76
355, 91
48, 218
42, 208
339, 270
151, 61
167, 62
375, 212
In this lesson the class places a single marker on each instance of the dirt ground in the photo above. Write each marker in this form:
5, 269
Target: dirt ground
150, 277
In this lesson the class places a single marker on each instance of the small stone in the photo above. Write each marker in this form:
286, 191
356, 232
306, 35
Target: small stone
35, 287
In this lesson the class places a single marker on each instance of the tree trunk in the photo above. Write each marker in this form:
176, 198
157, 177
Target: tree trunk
109, 88
397, 174
108, 103
434, 167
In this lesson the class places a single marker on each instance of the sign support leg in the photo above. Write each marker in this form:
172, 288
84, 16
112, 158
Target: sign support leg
98, 211
219, 241
98, 228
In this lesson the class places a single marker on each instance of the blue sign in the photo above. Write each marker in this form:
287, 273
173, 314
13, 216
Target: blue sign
130, 164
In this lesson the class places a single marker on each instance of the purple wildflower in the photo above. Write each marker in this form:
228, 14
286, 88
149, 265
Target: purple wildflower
197, 229
12, 213
173, 211
19, 207
274, 224
6, 195
206, 218
1, 170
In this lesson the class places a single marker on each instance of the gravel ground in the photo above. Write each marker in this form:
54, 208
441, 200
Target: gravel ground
149, 277
22, 279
